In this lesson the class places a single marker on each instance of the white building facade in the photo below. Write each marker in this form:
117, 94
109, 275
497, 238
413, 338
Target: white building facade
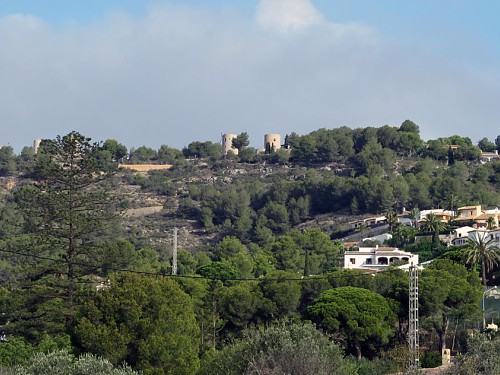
486, 235
376, 258
460, 235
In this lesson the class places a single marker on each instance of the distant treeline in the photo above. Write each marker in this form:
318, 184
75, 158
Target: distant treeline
341, 145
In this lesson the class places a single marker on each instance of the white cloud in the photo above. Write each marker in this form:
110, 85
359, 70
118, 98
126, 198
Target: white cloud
287, 15
180, 74
20, 21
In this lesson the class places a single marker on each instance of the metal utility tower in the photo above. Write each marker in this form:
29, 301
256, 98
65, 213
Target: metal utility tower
413, 320
174, 254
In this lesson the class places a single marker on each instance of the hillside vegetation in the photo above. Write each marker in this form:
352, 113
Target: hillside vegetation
86, 251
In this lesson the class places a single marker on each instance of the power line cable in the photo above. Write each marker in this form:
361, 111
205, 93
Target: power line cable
116, 269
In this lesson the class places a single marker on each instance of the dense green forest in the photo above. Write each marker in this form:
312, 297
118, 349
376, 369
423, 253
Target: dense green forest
260, 288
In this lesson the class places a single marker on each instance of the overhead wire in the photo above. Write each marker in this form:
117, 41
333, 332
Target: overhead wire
163, 274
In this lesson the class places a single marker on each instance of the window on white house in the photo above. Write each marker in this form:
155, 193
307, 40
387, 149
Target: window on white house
353, 260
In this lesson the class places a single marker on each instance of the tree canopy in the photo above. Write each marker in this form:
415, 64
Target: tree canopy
357, 316
69, 215
148, 322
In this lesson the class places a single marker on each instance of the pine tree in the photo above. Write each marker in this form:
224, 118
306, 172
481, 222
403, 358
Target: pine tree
69, 214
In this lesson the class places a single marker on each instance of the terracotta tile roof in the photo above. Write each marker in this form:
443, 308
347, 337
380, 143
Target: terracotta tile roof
485, 216
392, 253
354, 252
349, 244
442, 214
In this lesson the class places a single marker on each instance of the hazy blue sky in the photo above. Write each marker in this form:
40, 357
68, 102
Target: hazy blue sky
171, 72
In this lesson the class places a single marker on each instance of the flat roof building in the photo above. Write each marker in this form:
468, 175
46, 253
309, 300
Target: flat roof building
376, 258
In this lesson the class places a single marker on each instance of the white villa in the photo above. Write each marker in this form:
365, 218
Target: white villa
486, 235
376, 258
443, 215
486, 157
460, 235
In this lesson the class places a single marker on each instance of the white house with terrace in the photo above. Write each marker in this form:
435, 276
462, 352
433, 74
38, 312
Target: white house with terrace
485, 235
376, 258
460, 235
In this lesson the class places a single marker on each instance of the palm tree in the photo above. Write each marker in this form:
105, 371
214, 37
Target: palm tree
452, 202
414, 215
392, 219
431, 223
403, 234
490, 223
484, 251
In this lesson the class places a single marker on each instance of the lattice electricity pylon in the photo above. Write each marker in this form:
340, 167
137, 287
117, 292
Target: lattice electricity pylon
414, 363
174, 254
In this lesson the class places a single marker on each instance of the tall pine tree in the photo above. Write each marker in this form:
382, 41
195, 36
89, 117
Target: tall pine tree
69, 214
